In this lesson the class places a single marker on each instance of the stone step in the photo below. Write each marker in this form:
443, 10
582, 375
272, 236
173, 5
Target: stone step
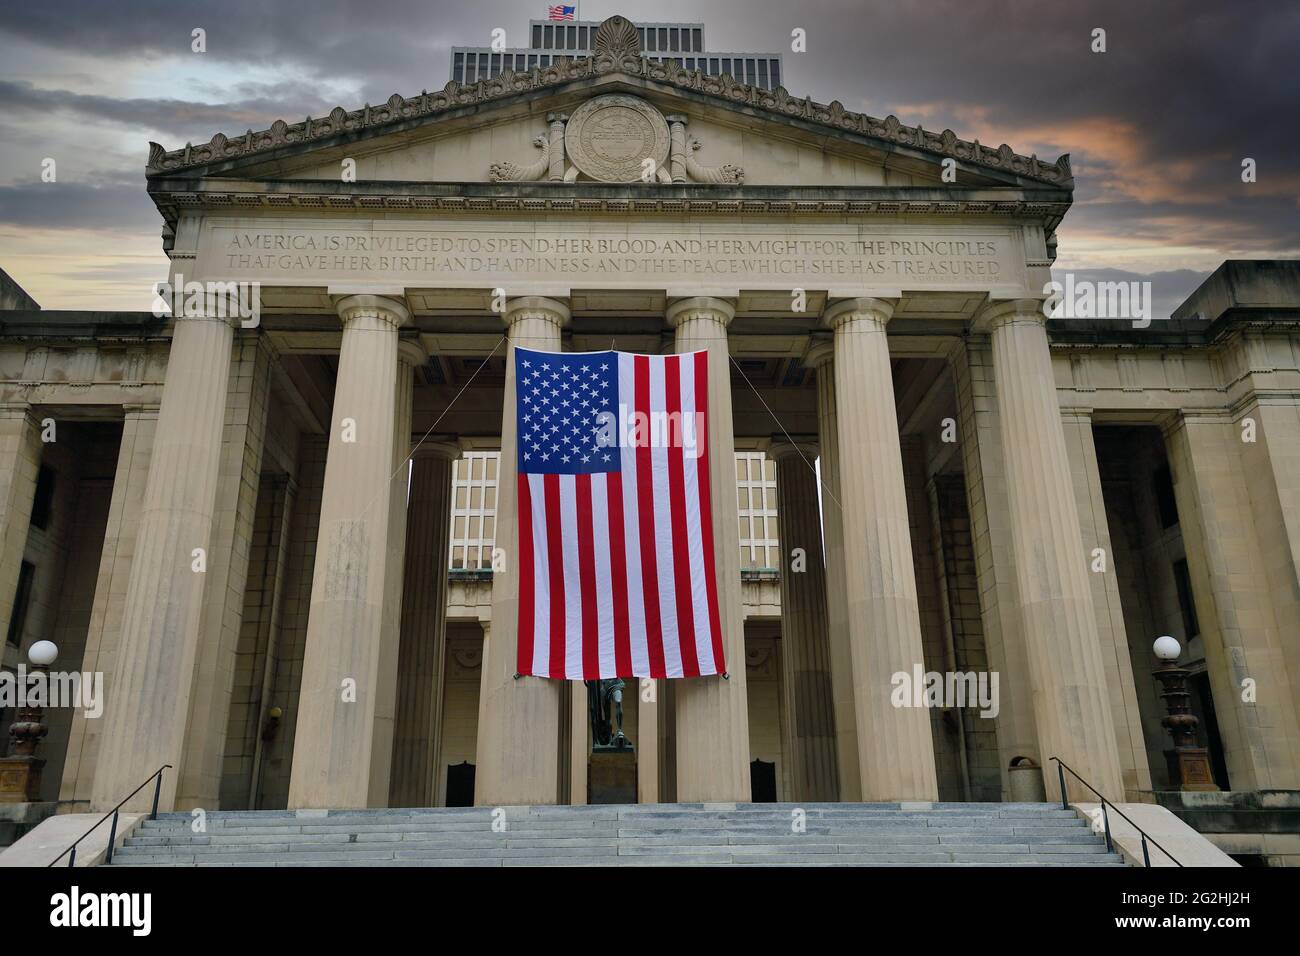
658, 835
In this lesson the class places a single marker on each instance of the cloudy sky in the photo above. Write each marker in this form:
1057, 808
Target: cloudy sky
1157, 126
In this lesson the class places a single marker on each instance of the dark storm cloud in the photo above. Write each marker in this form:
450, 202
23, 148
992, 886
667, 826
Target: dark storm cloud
175, 117
1157, 126
123, 206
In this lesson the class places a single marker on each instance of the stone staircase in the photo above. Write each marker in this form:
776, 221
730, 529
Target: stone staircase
941, 834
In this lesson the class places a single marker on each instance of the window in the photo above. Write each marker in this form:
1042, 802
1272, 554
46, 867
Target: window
776, 73
43, 500
537, 35
756, 502
698, 36
1183, 582
22, 601
473, 511
1162, 486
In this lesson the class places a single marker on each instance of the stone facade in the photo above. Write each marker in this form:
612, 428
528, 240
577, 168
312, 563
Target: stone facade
951, 463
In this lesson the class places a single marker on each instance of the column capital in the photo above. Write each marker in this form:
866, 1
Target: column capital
411, 352
878, 311
818, 353
700, 306
996, 314
677, 118
436, 449
536, 307
804, 448
388, 308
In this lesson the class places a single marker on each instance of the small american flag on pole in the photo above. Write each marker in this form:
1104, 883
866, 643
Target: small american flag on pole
560, 13
617, 572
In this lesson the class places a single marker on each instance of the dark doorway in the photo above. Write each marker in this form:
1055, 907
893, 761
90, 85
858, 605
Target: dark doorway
762, 781
460, 785
1203, 706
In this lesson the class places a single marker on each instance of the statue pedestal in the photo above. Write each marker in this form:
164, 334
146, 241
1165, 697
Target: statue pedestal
611, 776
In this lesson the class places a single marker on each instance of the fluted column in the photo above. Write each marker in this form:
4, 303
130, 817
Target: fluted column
821, 357
805, 645
895, 749
518, 757
410, 355
424, 626
712, 712
1071, 704
20, 462
149, 694
339, 696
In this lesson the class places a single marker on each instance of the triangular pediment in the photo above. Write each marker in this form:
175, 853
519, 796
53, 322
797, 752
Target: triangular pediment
502, 129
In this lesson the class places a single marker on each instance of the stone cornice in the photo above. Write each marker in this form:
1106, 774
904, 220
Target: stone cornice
401, 112
173, 195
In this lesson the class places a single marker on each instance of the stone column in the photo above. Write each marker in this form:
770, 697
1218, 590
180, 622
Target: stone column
424, 628
1070, 700
647, 744
1244, 648
579, 743
339, 695
805, 644
712, 712
821, 357
139, 423
410, 355
517, 758
895, 749
149, 697
1076, 425
253, 359
20, 461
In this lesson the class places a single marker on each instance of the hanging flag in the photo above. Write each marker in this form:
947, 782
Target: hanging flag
617, 575
561, 13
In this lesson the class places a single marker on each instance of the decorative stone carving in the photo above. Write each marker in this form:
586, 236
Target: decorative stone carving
726, 173
610, 137
508, 172
618, 37
614, 57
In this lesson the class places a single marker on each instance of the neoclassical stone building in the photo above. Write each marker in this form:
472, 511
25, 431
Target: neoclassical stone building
227, 527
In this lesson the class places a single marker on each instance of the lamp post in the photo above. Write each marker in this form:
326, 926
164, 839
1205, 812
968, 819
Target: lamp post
1189, 764
20, 769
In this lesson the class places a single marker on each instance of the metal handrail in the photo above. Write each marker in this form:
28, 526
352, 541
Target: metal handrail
71, 852
1061, 767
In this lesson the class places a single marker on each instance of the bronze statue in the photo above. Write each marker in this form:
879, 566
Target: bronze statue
605, 706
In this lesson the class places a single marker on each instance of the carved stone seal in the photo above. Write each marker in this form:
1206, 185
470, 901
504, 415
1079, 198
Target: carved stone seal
610, 137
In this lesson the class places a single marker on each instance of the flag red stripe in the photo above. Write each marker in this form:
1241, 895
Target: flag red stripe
645, 517
706, 505
618, 575
555, 562
524, 662
677, 519
587, 580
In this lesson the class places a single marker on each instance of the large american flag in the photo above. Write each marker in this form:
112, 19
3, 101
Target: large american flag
560, 13
617, 572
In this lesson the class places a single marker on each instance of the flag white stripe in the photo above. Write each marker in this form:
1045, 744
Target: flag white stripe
694, 535
604, 592
541, 579
664, 529
572, 582
632, 524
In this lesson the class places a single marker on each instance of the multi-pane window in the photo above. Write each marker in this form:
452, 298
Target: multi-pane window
474, 500
760, 546
473, 510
